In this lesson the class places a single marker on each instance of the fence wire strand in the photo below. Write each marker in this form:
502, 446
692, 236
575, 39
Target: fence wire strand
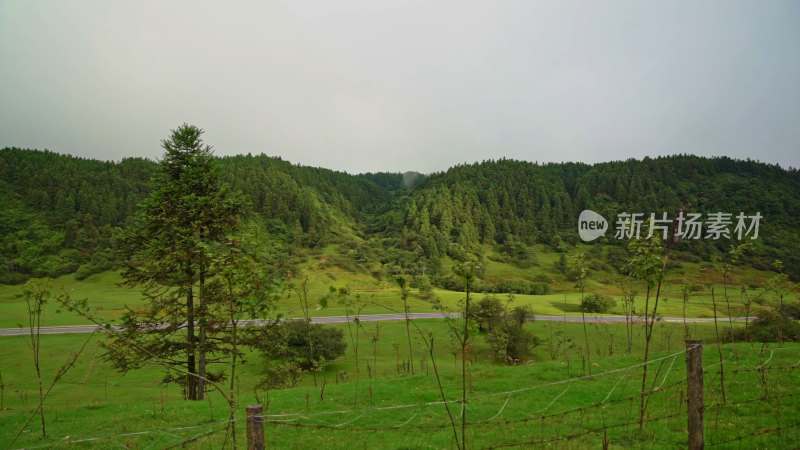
494, 394
135, 433
559, 418
264, 418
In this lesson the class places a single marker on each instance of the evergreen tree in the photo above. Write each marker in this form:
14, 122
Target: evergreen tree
168, 252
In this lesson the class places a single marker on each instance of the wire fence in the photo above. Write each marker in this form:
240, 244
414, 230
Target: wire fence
612, 419
163, 431
761, 410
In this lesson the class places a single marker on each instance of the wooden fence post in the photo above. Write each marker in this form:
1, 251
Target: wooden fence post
255, 428
694, 393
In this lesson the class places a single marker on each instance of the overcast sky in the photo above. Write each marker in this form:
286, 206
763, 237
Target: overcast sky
404, 85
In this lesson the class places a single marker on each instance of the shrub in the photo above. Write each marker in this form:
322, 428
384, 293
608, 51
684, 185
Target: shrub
423, 283
520, 314
517, 253
284, 346
452, 282
512, 342
596, 303
448, 281
573, 274
280, 374
457, 252
792, 310
561, 265
521, 287
101, 261
345, 262
772, 326
617, 257
542, 278
487, 312
327, 343
13, 278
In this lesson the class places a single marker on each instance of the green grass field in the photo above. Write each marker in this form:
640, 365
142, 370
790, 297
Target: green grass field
525, 403
374, 403
108, 298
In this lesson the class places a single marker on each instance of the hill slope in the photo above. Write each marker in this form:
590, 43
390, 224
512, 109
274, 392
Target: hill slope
60, 211
516, 204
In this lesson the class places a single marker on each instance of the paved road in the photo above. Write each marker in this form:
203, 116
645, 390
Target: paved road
71, 329
621, 319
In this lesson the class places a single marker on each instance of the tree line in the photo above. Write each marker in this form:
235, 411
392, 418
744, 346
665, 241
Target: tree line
61, 213
514, 204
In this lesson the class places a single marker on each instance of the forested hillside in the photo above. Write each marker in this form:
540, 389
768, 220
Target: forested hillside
516, 204
60, 212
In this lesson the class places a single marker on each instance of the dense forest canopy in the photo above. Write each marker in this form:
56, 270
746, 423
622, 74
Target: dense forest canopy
60, 212
509, 201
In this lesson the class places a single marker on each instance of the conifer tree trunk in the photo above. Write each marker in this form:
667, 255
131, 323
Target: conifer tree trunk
191, 365
203, 340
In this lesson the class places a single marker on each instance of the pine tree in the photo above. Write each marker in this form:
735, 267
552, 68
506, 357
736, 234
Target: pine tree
168, 253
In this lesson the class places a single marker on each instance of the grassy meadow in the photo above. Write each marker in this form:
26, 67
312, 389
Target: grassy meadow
378, 405
108, 298
375, 402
